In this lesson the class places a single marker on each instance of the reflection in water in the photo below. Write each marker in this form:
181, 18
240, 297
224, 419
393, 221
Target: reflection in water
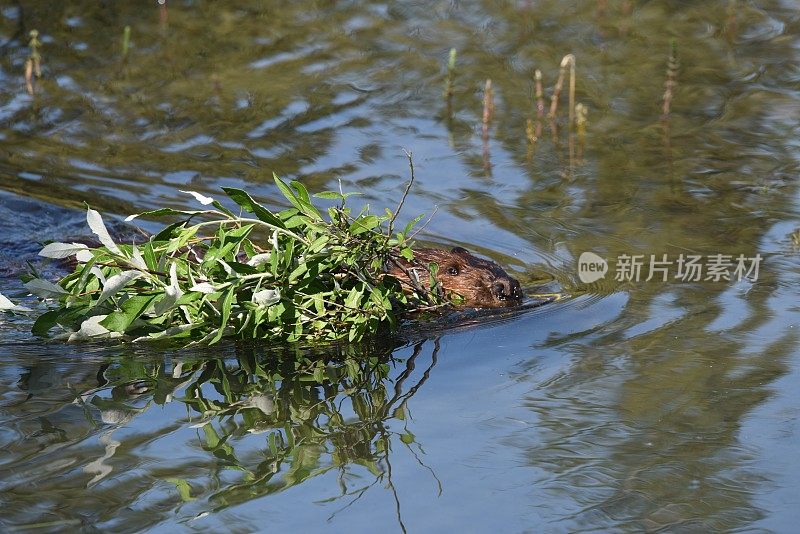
263, 422
632, 406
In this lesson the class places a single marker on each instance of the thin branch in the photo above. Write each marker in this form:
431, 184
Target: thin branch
405, 193
418, 230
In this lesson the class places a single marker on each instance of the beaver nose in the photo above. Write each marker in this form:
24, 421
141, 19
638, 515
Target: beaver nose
507, 289
503, 289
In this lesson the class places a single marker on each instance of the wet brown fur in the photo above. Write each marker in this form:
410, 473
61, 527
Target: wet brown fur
481, 283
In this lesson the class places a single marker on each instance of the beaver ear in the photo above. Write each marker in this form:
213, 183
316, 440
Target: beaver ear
459, 250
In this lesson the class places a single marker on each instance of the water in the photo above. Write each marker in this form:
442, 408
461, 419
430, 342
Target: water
628, 406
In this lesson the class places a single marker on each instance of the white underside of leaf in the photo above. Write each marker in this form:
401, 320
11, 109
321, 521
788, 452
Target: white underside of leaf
7, 305
258, 259
95, 270
44, 288
62, 250
114, 284
92, 329
204, 200
203, 287
137, 260
98, 227
227, 267
267, 297
84, 255
171, 293
169, 332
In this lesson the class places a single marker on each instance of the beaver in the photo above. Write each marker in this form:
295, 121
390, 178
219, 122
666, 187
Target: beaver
480, 283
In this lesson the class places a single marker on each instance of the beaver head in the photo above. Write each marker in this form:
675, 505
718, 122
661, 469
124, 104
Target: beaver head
481, 283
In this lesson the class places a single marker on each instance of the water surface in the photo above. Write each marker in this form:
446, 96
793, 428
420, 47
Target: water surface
629, 406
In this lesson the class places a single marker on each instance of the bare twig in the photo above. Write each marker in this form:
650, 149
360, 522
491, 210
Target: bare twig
421, 228
405, 193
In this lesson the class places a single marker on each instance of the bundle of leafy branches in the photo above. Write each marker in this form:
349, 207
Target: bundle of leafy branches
291, 275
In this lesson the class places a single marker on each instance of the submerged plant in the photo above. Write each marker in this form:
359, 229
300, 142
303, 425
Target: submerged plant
488, 110
126, 42
451, 73
567, 62
673, 65
289, 276
33, 65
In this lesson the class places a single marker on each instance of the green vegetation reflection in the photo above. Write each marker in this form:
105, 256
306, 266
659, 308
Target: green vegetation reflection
313, 413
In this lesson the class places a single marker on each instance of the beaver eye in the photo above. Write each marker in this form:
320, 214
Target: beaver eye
453, 271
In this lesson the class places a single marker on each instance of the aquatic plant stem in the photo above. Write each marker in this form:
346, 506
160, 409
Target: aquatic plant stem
33, 65
671, 82
451, 72
126, 42
488, 112
537, 76
488, 109
581, 120
567, 61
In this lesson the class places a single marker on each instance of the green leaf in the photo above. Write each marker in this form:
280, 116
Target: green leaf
243, 199
223, 209
287, 192
85, 273
149, 256
168, 232
237, 234
45, 322
299, 271
227, 302
305, 201
331, 195
335, 195
353, 298
319, 303
413, 222
318, 244
364, 224
129, 311
319, 373
296, 220
162, 212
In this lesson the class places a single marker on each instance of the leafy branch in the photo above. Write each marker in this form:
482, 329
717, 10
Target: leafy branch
292, 276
